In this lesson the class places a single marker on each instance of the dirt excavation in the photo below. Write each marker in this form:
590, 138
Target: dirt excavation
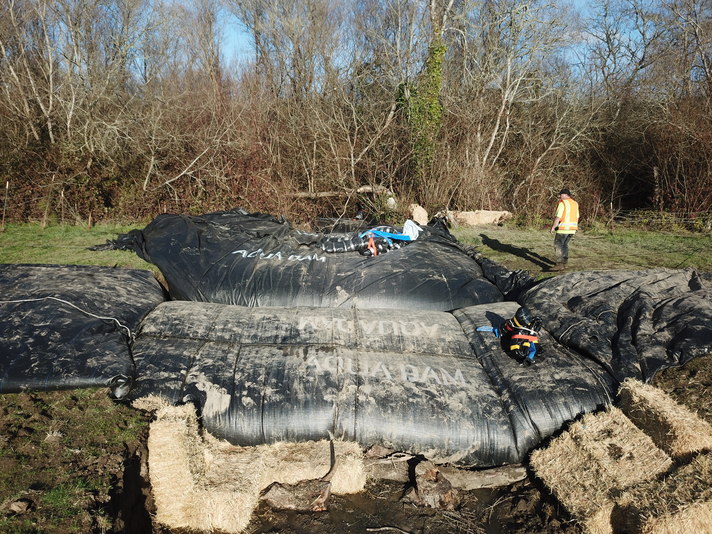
73, 462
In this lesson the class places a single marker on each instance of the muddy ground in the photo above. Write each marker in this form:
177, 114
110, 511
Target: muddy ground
75, 462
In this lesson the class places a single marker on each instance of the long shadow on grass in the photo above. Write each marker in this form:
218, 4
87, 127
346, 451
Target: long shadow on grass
524, 253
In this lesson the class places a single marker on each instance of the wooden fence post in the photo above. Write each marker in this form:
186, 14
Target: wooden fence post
49, 200
4, 205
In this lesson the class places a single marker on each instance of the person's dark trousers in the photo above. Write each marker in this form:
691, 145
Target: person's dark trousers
561, 246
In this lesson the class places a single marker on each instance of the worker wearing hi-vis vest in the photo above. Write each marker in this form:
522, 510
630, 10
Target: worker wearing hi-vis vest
564, 226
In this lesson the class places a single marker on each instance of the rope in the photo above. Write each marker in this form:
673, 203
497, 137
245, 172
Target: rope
118, 323
569, 328
583, 360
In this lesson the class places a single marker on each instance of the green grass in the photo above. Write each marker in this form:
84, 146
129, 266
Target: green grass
59, 501
513, 246
67, 245
628, 248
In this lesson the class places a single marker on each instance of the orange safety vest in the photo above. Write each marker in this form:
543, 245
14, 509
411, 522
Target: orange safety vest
569, 218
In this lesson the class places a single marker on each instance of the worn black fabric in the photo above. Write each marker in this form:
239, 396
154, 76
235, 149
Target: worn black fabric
632, 323
511, 283
258, 260
423, 382
69, 326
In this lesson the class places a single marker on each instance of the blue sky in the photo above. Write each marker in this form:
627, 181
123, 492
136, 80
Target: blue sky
237, 45
236, 41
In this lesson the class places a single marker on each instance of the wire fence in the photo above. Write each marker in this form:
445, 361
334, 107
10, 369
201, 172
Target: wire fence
654, 219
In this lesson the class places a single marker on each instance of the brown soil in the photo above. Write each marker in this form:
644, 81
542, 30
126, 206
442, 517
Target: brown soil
70, 462
75, 462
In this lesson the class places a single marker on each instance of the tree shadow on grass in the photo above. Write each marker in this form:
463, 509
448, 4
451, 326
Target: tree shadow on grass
545, 264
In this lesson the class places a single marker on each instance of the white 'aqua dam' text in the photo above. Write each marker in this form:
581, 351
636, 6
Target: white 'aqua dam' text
372, 327
399, 372
260, 254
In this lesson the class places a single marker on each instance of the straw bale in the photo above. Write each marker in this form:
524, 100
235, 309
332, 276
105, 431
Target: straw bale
600, 521
286, 463
681, 503
572, 476
597, 457
694, 518
625, 453
150, 403
172, 445
673, 427
202, 483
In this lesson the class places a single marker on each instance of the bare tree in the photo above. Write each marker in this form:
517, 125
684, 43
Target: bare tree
295, 40
29, 66
687, 59
129, 104
502, 95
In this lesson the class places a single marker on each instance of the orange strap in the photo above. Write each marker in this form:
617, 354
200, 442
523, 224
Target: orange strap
528, 338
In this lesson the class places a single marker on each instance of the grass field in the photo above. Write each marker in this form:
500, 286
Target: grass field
514, 247
625, 248
64, 244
